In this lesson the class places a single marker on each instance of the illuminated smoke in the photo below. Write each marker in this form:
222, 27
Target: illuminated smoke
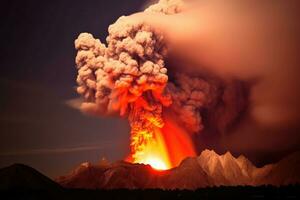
129, 76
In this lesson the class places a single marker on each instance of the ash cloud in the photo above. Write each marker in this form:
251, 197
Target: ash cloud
215, 93
253, 41
132, 64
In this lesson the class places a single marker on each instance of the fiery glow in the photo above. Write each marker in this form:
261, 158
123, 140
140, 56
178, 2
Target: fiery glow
157, 141
148, 147
156, 163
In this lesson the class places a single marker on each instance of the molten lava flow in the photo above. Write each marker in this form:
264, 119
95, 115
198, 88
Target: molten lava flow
147, 142
150, 149
157, 142
162, 148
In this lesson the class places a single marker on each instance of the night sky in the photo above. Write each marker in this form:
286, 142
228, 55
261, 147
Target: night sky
37, 77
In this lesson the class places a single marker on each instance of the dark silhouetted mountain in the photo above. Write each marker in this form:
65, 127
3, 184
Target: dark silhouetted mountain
208, 169
19, 176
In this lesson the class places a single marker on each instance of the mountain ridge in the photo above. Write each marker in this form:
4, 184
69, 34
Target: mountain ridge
207, 170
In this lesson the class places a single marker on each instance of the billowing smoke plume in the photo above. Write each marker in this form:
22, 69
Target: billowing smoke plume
130, 76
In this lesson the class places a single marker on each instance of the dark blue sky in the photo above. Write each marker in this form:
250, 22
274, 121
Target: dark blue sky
37, 76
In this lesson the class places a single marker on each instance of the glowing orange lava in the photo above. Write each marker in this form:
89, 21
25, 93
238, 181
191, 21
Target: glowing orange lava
148, 147
162, 148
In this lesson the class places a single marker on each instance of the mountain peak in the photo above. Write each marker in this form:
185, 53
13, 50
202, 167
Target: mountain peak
25, 177
228, 154
208, 153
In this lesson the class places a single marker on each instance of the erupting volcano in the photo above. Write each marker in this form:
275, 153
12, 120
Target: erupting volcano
129, 76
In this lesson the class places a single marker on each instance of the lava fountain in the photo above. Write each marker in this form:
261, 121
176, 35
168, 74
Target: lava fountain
156, 140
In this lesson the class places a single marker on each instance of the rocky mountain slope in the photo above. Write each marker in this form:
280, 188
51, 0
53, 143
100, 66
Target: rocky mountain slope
208, 169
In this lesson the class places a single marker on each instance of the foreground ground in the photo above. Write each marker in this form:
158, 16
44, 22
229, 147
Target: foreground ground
265, 192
